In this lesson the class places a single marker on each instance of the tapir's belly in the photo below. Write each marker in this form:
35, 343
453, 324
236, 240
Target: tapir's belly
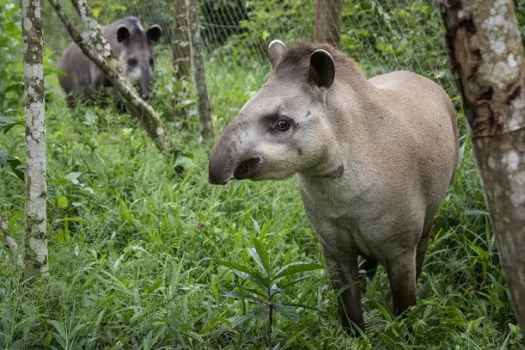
370, 223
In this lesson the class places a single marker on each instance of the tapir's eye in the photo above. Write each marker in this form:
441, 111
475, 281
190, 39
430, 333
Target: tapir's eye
132, 62
283, 124
151, 61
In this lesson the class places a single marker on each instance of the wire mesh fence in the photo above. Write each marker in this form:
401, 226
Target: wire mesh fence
381, 35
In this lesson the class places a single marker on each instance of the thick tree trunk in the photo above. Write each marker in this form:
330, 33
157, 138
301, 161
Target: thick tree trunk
181, 41
35, 252
328, 21
99, 51
486, 54
203, 103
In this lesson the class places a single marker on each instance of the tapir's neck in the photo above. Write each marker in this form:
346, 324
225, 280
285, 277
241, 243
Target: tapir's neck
349, 110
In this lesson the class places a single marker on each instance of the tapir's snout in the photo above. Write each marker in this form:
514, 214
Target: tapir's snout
220, 173
232, 159
215, 178
221, 164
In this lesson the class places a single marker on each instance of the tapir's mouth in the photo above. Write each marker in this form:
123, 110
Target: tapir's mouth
247, 168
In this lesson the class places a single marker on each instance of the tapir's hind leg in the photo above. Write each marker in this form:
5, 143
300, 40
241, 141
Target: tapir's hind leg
422, 248
401, 272
345, 279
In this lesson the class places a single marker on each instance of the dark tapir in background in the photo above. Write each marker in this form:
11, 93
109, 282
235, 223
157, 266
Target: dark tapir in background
130, 44
374, 157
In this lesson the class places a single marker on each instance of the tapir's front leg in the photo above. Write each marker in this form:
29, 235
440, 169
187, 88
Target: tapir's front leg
342, 266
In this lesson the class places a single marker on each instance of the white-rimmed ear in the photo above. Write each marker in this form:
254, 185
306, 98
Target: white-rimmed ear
276, 51
322, 69
154, 33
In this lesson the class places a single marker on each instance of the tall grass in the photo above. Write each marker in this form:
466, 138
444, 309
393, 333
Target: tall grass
134, 247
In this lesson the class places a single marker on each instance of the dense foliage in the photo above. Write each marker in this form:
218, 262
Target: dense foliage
141, 257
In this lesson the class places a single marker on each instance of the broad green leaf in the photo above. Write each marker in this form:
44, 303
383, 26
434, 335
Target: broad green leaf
294, 268
263, 255
297, 280
77, 328
238, 295
17, 167
3, 158
96, 11
62, 201
73, 177
125, 213
246, 274
258, 292
59, 328
214, 321
7, 124
286, 310
248, 316
233, 266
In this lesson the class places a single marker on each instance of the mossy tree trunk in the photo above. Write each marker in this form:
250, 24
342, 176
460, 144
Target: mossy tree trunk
199, 73
328, 21
486, 54
181, 41
35, 250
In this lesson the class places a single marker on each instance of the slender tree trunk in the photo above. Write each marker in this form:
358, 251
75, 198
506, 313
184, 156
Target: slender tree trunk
181, 41
203, 103
486, 54
328, 21
35, 252
99, 51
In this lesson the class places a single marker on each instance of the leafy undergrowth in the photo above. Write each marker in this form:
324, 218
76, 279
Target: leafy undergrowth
144, 258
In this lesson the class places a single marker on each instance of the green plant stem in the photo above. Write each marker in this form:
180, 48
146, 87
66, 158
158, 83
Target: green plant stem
270, 324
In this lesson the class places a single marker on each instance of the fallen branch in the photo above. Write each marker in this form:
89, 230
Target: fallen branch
97, 49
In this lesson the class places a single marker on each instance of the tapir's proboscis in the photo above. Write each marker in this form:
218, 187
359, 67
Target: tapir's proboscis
130, 44
373, 158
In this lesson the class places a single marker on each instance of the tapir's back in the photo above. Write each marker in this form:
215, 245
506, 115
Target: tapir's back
424, 110
419, 92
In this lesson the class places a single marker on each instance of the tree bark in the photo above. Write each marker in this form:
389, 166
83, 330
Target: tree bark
181, 41
328, 21
35, 252
486, 54
203, 103
97, 49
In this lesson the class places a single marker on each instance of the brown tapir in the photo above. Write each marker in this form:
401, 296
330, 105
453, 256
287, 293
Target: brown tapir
373, 157
133, 48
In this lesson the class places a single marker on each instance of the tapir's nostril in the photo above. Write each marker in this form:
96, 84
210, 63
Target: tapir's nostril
246, 169
216, 180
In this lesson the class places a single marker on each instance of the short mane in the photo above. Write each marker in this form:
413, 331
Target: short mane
298, 57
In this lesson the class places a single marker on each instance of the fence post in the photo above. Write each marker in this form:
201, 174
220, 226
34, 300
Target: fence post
203, 103
180, 44
328, 21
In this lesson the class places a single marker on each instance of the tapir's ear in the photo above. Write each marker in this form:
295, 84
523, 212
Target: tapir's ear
322, 69
276, 51
122, 33
154, 33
